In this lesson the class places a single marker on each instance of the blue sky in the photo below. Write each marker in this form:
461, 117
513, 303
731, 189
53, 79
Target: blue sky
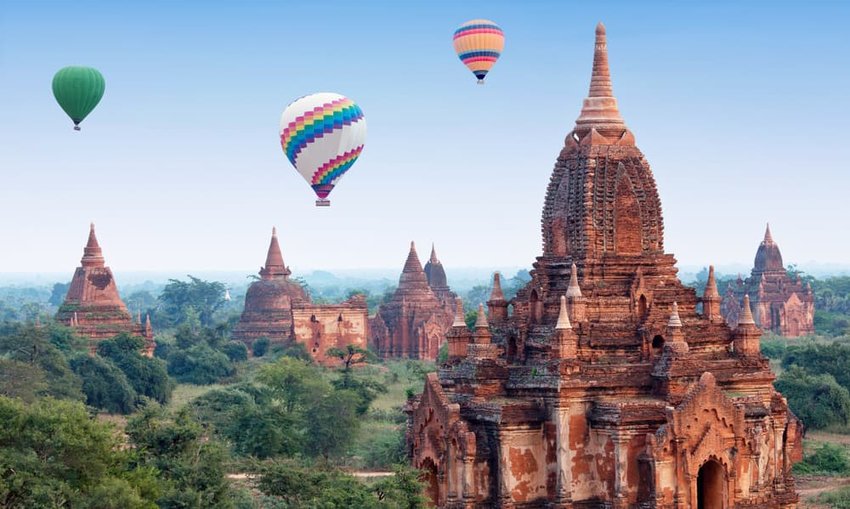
740, 107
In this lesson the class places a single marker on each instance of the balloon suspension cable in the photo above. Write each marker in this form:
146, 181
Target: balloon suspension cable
323, 203
77, 128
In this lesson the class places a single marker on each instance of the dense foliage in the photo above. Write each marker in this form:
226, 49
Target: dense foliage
147, 376
54, 455
828, 459
816, 399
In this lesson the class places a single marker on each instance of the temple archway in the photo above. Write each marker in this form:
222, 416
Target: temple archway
711, 486
642, 308
429, 476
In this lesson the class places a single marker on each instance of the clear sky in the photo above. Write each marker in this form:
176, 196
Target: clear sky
741, 108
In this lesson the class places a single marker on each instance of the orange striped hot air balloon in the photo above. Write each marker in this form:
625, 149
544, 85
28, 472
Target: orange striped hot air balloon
478, 44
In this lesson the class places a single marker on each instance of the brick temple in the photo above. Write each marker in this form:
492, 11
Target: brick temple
781, 304
414, 322
278, 308
600, 385
92, 306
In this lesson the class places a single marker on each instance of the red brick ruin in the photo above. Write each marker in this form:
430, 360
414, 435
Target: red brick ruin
92, 306
604, 387
279, 309
414, 323
780, 304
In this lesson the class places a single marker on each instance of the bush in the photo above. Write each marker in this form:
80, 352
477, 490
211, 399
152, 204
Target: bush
147, 376
260, 347
200, 365
386, 450
832, 359
828, 459
105, 386
773, 348
236, 351
838, 499
816, 399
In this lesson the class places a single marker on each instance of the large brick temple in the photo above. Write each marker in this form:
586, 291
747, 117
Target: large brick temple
93, 307
278, 308
604, 387
781, 304
413, 324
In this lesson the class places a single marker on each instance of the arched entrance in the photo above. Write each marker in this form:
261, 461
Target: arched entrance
711, 486
428, 475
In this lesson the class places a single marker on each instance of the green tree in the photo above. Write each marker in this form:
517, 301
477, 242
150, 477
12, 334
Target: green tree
831, 358
260, 347
190, 464
294, 383
21, 380
53, 454
105, 386
333, 422
236, 351
816, 399
180, 299
57, 294
147, 376
31, 344
200, 365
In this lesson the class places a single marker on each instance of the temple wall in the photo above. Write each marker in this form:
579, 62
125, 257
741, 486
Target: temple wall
321, 327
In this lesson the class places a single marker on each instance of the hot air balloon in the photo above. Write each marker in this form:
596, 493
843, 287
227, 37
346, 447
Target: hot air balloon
322, 135
78, 90
478, 44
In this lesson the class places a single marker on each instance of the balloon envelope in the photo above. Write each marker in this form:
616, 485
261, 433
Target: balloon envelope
78, 90
478, 44
322, 135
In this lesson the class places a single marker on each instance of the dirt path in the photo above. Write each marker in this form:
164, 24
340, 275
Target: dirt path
809, 487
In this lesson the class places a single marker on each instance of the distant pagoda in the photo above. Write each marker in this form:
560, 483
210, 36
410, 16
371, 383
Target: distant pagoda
781, 304
268, 303
413, 324
92, 306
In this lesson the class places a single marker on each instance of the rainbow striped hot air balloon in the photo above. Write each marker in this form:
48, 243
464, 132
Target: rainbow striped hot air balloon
478, 44
322, 135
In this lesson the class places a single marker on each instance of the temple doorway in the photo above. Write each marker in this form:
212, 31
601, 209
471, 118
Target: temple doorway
429, 476
711, 486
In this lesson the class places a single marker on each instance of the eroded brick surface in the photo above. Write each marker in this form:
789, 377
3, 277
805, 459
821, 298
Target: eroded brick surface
622, 395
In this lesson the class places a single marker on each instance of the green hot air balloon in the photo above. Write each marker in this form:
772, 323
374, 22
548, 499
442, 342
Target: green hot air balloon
78, 90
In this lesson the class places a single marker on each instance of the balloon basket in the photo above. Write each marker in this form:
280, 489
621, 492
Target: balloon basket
323, 203
76, 128
480, 82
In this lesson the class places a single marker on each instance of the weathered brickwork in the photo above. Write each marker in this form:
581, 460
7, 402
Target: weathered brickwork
600, 385
781, 304
414, 323
279, 309
92, 305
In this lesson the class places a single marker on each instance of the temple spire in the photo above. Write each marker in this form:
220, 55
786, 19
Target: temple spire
768, 238
711, 284
481, 321
92, 253
459, 317
600, 107
746, 313
274, 260
433, 258
497, 294
574, 290
675, 321
563, 316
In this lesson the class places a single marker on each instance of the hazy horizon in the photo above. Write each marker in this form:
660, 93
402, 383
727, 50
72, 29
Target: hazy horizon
180, 165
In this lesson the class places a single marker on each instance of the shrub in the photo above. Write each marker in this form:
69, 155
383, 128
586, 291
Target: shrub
105, 386
147, 376
816, 399
236, 351
828, 459
200, 365
260, 347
